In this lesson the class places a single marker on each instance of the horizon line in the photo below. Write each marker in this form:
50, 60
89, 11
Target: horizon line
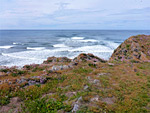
77, 29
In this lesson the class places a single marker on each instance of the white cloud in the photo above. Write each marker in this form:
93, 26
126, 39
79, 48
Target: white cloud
74, 13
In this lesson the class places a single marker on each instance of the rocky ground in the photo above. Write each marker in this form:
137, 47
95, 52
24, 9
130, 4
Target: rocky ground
83, 84
134, 49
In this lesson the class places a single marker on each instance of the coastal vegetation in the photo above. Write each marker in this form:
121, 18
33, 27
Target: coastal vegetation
85, 84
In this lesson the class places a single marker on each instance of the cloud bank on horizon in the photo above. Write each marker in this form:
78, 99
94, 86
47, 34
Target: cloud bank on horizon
74, 14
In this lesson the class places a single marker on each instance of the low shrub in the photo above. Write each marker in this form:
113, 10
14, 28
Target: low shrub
44, 105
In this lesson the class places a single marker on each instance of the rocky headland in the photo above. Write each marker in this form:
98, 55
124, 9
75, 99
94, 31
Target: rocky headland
134, 49
83, 84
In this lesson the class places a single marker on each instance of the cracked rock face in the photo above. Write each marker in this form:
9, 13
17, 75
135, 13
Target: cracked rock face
135, 48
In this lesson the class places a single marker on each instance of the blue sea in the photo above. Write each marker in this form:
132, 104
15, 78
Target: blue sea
20, 47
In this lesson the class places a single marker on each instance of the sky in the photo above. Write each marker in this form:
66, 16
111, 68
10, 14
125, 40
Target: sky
75, 14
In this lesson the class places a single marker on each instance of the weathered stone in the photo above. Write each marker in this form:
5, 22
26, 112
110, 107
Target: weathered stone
101, 74
95, 99
108, 100
61, 67
86, 87
31, 82
15, 100
89, 78
43, 80
57, 59
111, 64
134, 48
21, 81
88, 57
77, 105
75, 108
70, 94
96, 81
143, 57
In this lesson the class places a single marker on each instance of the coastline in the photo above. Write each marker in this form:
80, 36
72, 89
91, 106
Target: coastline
86, 83
27, 47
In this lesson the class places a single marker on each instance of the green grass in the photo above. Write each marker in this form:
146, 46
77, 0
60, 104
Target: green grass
4, 97
128, 46
130, 89
82, 70
44, 105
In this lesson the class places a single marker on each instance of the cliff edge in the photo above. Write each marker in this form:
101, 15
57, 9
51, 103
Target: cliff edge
135, 49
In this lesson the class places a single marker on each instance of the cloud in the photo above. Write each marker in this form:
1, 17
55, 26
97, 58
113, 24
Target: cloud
135, 11
73, 14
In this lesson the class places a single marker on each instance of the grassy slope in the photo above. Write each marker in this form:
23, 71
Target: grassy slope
120, 87
115, 88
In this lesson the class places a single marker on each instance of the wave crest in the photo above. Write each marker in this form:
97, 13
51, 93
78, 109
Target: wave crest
77, 38
36, 48
5, 47
60, 45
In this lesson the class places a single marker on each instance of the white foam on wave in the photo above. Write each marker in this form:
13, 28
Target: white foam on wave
60, 50
98, 50
30, 57
60, 45
77, 38
89, 40
5, 47
63, 39
17, 56
91, 49
36, 48
15, 60
112, 44
14, 43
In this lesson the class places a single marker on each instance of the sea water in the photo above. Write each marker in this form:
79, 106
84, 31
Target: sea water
20, 47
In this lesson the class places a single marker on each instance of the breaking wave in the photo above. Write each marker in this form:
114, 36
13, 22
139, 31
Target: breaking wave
77, 38
60, 45
6, 47
36, 48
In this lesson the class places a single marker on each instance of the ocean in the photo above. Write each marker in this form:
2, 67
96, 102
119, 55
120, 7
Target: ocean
20, 47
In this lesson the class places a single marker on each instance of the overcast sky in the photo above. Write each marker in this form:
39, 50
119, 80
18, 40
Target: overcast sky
74, 14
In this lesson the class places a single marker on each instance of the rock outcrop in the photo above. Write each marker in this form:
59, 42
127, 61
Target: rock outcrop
135, 49
88, 57
56, 59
